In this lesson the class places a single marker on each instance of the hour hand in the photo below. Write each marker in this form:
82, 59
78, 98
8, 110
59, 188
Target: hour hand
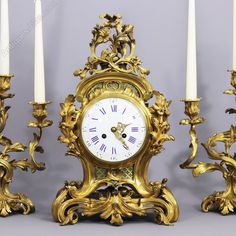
121, 127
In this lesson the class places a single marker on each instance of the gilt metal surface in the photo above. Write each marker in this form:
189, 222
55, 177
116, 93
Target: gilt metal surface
224, 201
18, 202
108, 189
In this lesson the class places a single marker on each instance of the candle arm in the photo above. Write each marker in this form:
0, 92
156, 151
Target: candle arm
192, 111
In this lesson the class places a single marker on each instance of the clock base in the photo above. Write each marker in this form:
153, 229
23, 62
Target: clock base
115, 202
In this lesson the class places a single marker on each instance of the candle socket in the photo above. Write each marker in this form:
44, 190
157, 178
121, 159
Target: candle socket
192, 110
18, 202
224, 161
40, 114
233, 83
5, 84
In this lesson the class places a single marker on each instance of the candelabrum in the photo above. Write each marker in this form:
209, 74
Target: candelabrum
225, 161
18, 202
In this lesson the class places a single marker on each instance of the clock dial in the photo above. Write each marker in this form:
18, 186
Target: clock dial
113, 129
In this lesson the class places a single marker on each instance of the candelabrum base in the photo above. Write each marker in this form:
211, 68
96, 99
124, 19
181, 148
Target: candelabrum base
14, 203
224, 201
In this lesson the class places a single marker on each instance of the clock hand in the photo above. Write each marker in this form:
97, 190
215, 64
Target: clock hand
121, 127
117, 134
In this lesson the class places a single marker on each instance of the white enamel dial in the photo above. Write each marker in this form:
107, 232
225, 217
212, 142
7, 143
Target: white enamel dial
113, 129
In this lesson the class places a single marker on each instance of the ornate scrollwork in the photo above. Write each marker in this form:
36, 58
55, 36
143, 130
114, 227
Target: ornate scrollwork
111, 86
68, 126
122, 190
192, 110
233, 83
70, 116
224, 201
119, 200
160, 113
10, 202
119, 55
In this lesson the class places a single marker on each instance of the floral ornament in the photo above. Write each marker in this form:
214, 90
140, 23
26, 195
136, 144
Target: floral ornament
11, 202
119, 55
160, 113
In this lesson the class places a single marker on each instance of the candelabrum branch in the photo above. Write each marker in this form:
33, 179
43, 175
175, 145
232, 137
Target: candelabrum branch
192, 111
10, 202
40, 115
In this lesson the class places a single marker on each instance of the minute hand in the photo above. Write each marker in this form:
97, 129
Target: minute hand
119, 137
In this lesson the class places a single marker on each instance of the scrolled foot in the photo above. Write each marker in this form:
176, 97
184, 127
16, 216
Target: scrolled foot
15, 203
221, 201
115, 203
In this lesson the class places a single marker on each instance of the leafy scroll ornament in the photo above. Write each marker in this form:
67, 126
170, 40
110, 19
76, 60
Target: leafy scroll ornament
11, 202
160, 113
119, 55
225, 160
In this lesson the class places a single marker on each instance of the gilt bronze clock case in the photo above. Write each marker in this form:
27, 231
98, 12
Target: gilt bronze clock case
120, 189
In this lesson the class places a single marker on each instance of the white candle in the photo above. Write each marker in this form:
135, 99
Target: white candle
39, 80
4, 39
191, 77
234, 34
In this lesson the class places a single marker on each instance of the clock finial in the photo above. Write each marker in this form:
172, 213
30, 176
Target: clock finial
118, 55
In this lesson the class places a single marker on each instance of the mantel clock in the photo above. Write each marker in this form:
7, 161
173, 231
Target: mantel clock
114, 133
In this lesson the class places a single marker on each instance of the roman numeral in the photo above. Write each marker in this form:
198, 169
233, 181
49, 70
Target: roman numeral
103, 148
114, 108
132, 139
88, 143
93, 129
134, 129
102, 111
113, 151
139, 144
94, 119
95, 140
